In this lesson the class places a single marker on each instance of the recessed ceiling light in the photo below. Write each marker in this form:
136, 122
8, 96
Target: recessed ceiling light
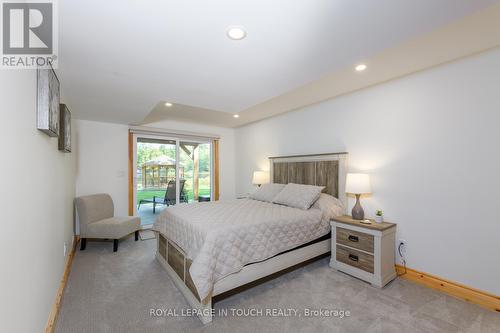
360, 67
236, 33
168, 104
236, 115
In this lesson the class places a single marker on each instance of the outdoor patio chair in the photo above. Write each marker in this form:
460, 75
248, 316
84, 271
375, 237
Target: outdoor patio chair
169, 198
97, 220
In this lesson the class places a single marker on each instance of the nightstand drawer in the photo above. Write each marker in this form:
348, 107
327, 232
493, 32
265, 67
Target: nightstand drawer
355, 239
355, 258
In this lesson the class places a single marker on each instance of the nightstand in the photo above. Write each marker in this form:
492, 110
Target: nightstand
366, 251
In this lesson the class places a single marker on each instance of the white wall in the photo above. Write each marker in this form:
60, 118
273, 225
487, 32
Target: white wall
429, 141
102, 162
103, 158
37, 208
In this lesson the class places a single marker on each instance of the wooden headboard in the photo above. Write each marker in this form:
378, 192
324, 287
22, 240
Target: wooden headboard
327, 170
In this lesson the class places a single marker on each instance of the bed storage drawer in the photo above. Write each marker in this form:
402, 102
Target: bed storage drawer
176, 260
355, 258
162, 246
355, 239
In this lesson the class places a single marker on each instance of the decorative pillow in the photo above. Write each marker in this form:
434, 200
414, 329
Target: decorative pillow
298, 196
267, 192
329, 205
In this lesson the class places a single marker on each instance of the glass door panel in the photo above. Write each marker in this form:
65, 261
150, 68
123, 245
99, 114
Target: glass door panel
195, 166
155, 177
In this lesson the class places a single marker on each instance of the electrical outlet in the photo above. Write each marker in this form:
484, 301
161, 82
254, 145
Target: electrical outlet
402, 248
65, 248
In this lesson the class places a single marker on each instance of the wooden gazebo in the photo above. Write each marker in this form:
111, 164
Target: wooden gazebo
156, 173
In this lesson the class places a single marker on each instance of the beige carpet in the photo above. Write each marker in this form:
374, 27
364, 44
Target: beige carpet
146, 235
114, 292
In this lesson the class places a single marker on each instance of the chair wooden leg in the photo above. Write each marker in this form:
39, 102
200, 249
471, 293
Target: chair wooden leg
136, 235
115, 245
83, 244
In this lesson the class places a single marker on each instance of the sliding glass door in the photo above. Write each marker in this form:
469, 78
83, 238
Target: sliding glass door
156, 170
170, 171
196, 165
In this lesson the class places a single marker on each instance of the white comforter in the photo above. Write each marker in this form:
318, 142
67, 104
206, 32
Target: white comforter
223, 236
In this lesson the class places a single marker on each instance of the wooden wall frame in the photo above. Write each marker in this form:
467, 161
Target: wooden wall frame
131, 207
216, 163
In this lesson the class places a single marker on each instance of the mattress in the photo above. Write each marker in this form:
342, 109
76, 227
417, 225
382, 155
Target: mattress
223, 236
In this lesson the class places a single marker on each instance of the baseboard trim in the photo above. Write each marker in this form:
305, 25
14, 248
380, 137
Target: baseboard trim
455, 289
54, 312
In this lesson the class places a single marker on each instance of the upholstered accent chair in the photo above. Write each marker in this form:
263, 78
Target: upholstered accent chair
97, 220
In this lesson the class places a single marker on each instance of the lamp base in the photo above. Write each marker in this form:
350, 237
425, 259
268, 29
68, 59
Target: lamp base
357, 211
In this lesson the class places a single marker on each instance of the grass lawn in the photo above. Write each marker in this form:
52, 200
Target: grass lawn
161, 194
149, 195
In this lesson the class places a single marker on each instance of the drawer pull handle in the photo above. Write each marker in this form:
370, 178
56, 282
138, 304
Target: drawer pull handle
353, 238
353, 257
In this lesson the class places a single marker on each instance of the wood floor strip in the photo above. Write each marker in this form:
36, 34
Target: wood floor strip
455, 289
51, 322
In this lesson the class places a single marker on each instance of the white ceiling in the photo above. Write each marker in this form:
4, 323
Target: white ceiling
119, 59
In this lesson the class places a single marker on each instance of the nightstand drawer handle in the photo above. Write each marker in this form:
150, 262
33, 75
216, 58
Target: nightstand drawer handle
353, 257
353, 238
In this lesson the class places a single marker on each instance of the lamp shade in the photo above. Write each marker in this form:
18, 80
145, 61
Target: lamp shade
260, 177
358, 183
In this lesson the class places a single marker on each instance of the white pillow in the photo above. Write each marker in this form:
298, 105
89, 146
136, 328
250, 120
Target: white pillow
329, 205
267, 192
298, 196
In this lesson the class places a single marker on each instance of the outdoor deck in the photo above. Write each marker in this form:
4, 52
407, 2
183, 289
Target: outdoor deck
146, 213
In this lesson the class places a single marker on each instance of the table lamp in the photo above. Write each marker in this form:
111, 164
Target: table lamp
357, 184
260, 177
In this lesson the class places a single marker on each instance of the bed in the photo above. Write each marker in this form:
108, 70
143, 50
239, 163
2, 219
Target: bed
212, 248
